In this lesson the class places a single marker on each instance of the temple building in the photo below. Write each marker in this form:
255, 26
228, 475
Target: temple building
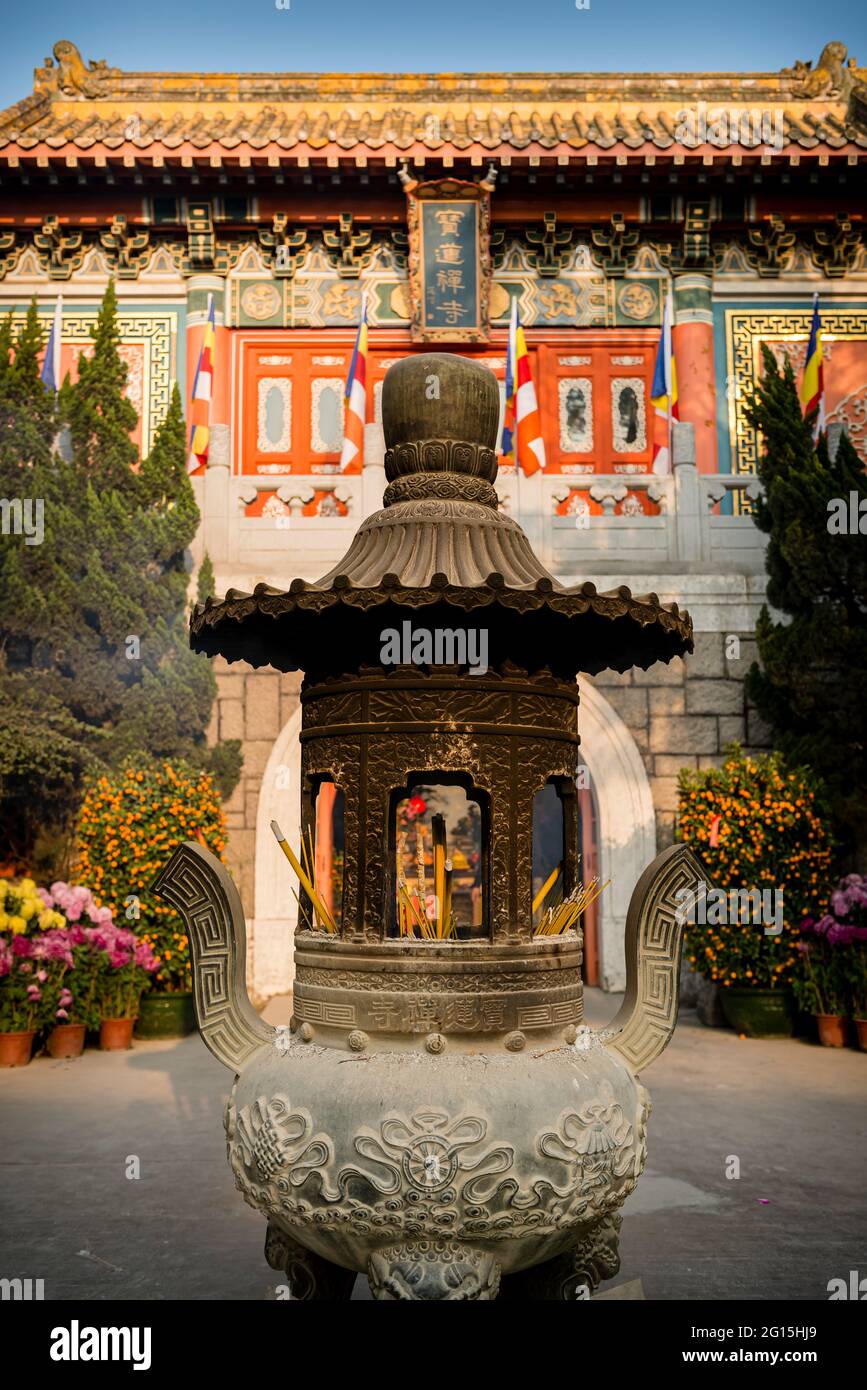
286, 199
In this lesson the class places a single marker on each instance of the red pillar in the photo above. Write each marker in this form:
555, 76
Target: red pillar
694, 355
324, 843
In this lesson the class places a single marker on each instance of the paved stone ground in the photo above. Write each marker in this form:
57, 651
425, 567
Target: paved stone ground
794, 1114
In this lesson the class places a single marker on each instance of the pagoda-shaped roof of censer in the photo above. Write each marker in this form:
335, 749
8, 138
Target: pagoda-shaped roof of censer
442, 554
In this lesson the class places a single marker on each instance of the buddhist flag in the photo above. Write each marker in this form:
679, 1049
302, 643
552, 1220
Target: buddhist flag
356, 397
50, 374
813, 382
663, 394
529, 445
200, 410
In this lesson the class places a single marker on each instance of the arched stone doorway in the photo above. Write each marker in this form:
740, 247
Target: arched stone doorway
626, 821
626, 842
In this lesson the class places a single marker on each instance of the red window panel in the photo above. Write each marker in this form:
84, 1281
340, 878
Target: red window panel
596, 412
593, 390
291, 406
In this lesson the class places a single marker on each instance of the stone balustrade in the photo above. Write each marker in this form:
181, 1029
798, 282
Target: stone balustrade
579, 524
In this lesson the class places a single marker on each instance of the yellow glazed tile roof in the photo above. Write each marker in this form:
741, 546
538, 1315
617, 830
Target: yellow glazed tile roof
78, 106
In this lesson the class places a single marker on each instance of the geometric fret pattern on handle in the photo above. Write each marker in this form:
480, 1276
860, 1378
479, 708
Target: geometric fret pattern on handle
201, 891
654, 941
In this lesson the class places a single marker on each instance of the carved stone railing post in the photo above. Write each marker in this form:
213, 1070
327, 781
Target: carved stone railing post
215, 501
687, 497
530, 515
373, 479
608, 495
296, 496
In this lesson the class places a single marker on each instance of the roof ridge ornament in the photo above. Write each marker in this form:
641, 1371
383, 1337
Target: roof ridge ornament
72, 76
832, 75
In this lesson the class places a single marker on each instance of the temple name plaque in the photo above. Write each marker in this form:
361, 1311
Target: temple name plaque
449, 263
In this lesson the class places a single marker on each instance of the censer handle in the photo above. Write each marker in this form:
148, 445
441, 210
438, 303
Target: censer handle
654, 940
200, 889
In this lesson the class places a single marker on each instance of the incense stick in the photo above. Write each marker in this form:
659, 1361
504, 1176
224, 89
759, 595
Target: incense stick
323, 916
546, 888
566, 914
447, 898
419, 861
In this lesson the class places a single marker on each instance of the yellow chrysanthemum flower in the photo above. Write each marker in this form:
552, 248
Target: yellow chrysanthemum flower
17, 925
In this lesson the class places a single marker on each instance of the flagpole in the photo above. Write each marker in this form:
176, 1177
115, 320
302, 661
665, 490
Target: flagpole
58, 323
363, 320
670, 382
517, 478
511, 357
670, 370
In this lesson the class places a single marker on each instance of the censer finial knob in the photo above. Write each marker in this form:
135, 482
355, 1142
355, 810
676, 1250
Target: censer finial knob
440, 415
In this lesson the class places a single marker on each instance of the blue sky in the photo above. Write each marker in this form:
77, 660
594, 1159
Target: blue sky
425, 35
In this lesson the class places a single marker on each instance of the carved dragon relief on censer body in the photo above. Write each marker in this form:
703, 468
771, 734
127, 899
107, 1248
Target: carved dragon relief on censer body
437, 1116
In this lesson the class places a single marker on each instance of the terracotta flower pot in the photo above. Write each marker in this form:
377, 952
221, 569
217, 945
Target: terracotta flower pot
15, 1049
115, 1034
861, 1030
832, 1030
66, 1040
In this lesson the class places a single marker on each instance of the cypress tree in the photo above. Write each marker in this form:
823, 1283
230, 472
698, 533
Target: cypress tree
28, 413
813, 674
94, 620
99, 416
45, 751
7, 362
206, 583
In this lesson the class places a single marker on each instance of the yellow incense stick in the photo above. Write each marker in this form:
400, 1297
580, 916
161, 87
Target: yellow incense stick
447, 895
419, 860
546, 888
303, 910
319, 907
311, 859
415, 917
566, 914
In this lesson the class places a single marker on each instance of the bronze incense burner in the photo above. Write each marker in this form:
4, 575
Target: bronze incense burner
437, 1117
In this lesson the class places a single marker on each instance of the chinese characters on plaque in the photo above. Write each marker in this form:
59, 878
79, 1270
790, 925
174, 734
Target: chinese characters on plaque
450, 264
449, 260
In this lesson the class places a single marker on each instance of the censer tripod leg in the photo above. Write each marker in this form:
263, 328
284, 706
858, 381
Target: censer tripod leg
575, 1274
309, 1276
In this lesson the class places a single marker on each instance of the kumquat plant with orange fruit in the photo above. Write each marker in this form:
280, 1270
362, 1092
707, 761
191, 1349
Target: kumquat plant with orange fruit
129, 826
756, 824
